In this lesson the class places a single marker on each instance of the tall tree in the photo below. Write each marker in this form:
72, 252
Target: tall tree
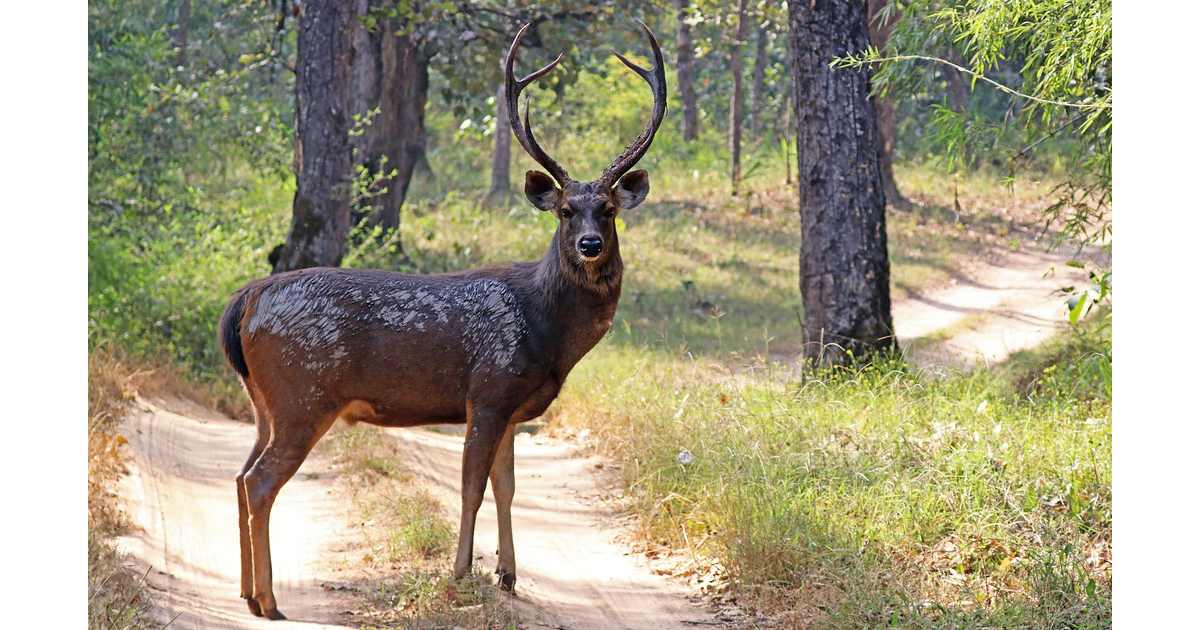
183, 21
321, 207
500, 190
391, 87
758, 86
685, 71
882, 21
844, 270
735, 101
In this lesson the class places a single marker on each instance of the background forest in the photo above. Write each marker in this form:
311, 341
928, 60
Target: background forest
861, 491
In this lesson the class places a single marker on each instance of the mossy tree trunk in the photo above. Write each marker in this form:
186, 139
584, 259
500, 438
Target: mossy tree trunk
844, 270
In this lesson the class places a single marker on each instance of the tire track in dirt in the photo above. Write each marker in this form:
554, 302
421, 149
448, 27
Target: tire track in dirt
1006, 304
180, 497
569, 563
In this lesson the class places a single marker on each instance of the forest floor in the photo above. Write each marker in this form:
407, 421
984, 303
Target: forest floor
576, 569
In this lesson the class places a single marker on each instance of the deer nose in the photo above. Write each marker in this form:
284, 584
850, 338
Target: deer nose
590, 246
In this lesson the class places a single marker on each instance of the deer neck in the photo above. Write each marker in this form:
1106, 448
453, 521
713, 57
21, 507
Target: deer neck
580, 298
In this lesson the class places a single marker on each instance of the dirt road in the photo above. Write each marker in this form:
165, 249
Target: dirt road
180, 496
1005, 304
568, 563
179, 493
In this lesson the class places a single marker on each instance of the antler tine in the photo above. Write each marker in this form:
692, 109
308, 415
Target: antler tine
512, 91
656, 77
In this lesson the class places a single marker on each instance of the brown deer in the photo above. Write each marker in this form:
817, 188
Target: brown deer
488, 347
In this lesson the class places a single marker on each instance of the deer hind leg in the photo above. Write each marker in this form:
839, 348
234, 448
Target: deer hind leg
484, 432
247, 587
503, 488
292, 438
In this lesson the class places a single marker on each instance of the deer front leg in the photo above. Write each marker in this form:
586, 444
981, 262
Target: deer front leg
484, 432
503, 488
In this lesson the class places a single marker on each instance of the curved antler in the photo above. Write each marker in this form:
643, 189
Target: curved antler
657, 78
524, 133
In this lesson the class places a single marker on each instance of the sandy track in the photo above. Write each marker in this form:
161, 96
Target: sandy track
1004, 305
568, 564
180, 496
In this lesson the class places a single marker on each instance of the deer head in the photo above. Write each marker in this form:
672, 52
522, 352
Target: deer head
586, 210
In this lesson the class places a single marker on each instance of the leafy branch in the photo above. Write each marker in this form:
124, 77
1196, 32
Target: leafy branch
871, 57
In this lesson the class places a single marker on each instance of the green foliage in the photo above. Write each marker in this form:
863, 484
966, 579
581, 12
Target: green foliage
926, 502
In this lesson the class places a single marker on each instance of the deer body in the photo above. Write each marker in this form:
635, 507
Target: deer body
402, 350
489, 347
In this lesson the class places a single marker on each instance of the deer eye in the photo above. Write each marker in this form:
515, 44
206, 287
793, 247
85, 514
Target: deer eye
567, 214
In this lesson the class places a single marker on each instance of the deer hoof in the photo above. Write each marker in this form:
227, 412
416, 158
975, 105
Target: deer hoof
274, 614
252, 604
506, 579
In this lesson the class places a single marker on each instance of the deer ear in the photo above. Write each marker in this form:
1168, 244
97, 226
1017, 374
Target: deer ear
632, 189
541, 190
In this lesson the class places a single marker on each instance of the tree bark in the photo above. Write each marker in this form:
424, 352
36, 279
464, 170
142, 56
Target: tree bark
182, 25
735, 102
844, 270
500, 192
684, 69
321, 207
885, 110
391, 73
759, 86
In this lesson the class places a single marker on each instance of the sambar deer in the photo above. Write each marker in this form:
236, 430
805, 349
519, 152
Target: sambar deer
488, 347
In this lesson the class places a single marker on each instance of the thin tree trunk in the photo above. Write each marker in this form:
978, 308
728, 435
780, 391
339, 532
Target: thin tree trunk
321, 207
788, 132
684, 68
500, 192
182, 25
885, 111
956, 86
759, 87
405, 92
844, 269
735, 102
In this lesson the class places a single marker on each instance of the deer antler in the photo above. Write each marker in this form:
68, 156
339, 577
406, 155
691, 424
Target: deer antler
524, 133
657, 78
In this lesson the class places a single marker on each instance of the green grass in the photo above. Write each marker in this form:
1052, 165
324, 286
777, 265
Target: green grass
973, 500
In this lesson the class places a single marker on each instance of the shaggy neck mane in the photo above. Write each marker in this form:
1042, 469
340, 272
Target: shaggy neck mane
559, 272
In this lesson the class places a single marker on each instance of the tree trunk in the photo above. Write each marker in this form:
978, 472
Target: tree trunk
759, 86
735, 102
844, 269
391, 73
182, 24
321, 207
500, 192
885, 110
684, 68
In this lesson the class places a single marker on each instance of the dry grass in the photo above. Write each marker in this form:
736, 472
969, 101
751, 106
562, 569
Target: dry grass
116, 597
